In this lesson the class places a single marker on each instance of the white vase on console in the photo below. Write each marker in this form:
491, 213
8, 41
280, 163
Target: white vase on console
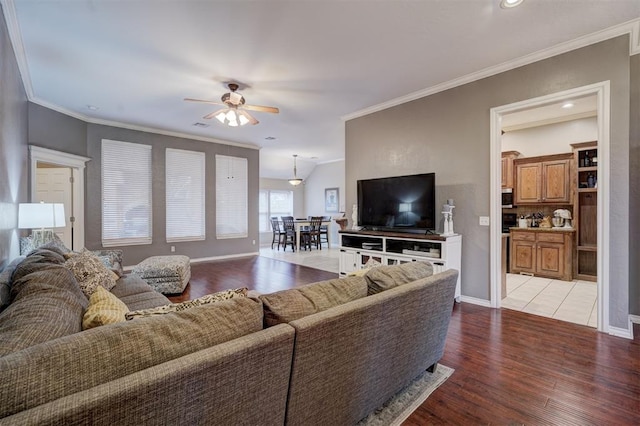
354, 218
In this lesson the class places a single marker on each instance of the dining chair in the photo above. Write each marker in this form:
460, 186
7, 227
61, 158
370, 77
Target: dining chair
278, 232
289, 229
324, 231
312, 236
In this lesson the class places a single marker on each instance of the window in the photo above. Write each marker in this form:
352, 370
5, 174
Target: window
274, 203
232, 188
126, 193
185, 195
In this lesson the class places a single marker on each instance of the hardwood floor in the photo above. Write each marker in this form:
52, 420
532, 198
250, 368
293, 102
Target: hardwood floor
511, 367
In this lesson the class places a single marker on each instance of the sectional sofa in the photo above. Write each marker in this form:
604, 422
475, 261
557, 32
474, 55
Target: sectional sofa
325, 353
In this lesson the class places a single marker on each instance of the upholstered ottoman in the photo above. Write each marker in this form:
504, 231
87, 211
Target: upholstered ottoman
166, 274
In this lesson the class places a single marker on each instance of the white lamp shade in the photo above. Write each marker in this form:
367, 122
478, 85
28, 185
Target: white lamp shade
41, 215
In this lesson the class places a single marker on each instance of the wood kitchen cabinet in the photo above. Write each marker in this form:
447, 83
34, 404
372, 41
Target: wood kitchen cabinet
507, 168
543, 252
543, 180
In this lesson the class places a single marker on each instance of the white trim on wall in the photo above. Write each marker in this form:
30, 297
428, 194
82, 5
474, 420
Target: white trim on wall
602, 90
77, 165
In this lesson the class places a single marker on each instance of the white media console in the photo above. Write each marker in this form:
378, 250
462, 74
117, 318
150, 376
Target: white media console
392, 248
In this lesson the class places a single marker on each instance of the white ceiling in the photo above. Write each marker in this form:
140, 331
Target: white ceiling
318, 61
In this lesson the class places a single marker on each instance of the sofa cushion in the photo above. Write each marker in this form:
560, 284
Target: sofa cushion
137, 294
383, 278
288, 305
177, 307
90, 272
47, 304
104, 308
73, 364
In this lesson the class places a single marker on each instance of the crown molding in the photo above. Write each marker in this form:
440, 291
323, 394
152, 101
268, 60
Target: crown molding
631, 27
15, 35
128, 126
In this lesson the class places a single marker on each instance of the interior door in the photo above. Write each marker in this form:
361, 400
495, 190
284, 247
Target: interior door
53, 185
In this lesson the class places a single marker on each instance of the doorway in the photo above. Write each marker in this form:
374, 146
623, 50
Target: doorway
51, 164
601, 92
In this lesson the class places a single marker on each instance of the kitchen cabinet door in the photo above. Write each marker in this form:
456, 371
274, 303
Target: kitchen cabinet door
556, 183
550, 260
523, 256
528, 183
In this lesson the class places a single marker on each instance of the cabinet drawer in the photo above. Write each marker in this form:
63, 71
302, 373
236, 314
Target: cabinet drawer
523, 236
548, 237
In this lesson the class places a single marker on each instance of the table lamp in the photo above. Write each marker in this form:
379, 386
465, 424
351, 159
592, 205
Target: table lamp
41, 218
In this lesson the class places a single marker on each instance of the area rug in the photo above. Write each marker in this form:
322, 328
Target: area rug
399, 407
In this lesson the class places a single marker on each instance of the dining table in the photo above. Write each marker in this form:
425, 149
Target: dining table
300, 223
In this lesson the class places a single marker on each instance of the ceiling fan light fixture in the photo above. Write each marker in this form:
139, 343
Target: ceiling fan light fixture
295, 181
243, 120
507, 4
221, 116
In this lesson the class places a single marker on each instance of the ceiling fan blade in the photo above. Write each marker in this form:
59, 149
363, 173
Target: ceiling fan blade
249, 117
202, 101
261, 108
214, 113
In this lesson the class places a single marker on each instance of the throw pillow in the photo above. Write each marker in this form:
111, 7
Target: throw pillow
90, 272
177, 307
112, 259
104, 308
383, 278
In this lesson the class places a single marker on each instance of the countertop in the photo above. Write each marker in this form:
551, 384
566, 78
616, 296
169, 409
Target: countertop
532, 229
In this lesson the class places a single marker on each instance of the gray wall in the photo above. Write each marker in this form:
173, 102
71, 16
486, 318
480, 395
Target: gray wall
51, 129
54, 130
14, 152
197, 249
634, 189
448, 133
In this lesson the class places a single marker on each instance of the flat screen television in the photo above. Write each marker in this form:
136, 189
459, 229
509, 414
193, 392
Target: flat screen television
399, 203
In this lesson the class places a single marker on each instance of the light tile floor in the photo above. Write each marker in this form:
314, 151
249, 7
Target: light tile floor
571, 301
325, 259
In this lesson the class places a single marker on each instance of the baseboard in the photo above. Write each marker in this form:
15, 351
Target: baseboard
626, 333
207, 259
475, 301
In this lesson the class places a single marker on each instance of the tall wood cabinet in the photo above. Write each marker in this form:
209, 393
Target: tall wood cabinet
585, 210
507, 167
543, 180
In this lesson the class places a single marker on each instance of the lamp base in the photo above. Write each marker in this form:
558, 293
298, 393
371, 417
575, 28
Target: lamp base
41, 237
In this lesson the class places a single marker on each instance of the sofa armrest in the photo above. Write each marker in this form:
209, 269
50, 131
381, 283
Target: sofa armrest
348, 360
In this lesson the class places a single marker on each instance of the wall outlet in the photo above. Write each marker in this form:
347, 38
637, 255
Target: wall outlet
253, 242
173, 249
484, 220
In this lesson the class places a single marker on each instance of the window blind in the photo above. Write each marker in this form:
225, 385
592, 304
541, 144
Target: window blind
126, 193
231, 197
185, 195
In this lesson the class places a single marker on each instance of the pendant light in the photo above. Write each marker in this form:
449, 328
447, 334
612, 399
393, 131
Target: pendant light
295, 181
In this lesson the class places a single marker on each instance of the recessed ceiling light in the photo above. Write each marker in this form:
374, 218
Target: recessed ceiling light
92, 107
567, 105
507, 4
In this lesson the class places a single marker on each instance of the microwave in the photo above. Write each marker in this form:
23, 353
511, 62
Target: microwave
507, 198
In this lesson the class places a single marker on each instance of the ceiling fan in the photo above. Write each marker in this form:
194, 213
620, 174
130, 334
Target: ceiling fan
234, 112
